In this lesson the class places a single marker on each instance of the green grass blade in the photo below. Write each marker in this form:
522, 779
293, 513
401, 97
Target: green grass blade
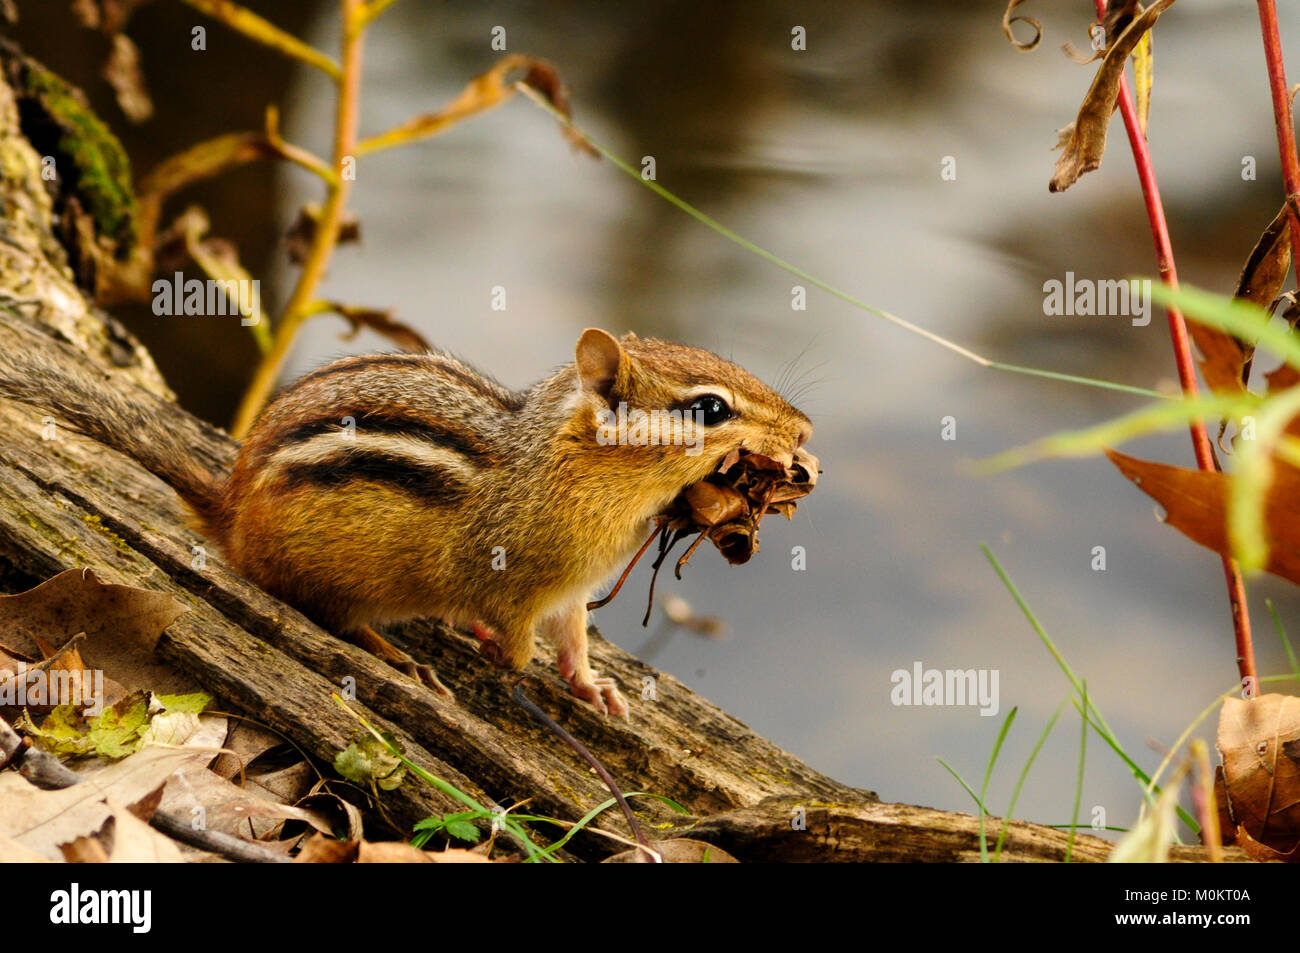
1241, 318
1078, 786
1020, 782
1096, 718
1150, 792
1154, 418
979, 804
988, 773
1286, 643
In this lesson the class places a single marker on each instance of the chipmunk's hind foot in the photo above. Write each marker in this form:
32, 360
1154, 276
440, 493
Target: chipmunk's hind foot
367, 638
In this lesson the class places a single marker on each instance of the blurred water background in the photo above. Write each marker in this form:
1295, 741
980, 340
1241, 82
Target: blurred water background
831, 158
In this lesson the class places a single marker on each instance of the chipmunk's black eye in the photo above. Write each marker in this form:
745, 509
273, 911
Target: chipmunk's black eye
714, 409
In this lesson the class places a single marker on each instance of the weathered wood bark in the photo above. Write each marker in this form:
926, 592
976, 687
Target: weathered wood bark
70, 502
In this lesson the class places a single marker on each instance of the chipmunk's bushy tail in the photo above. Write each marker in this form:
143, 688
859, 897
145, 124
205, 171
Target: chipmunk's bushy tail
56, 380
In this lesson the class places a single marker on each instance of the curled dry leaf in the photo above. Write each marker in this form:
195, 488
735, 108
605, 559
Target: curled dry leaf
728, 507
42, 820
1087, 141
219, 260
1225, 360
1008, 19
1083, 59
381, 322
1119, 14
1282, 378
324, 850
485, 91
1259, 741
298, 239
1262, 278
123, 839
60, 677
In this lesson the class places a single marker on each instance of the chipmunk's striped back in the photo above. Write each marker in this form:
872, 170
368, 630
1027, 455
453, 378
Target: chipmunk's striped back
411, 423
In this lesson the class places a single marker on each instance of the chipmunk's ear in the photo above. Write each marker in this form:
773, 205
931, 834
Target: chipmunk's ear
602, 362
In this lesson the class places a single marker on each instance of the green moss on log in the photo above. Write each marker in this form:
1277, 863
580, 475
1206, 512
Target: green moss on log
101, 171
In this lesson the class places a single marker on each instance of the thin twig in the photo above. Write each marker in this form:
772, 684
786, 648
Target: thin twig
528, 705
596, 604
263, 31
1183, 356
1282, 118
313, 270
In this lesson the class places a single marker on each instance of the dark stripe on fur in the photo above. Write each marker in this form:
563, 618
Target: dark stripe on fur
392, 424
426, 483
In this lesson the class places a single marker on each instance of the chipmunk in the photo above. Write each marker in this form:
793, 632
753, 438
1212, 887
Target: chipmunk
387, 487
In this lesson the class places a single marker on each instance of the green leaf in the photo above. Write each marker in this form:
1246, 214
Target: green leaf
63, 731
463, 830
194, 702
116, 732
369, 761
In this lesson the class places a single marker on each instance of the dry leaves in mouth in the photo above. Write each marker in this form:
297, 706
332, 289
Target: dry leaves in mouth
726, 508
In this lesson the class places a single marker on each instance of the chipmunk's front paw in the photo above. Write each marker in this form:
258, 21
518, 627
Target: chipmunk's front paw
601, 692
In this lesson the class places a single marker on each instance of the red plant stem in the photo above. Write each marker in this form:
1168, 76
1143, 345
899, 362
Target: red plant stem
1183, 357
1281, 106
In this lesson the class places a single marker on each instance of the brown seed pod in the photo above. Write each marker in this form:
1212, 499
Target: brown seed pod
726, 508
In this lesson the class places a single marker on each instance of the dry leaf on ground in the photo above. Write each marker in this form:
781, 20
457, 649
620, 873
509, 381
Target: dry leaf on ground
1259, 741
122, 625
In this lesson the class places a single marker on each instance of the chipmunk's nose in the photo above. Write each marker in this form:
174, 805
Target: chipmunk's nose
805, 434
